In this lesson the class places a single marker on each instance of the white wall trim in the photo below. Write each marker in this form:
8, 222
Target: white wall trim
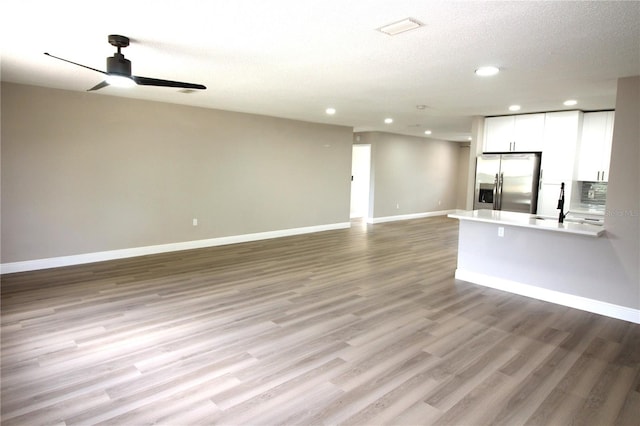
564, 299
79, 259
409, 216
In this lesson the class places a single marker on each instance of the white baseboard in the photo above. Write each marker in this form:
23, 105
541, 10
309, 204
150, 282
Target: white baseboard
564, 299
79, 259
409, 216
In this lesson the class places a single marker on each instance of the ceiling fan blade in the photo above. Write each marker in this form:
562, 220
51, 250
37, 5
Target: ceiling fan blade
75, 63
145, 81
99, 86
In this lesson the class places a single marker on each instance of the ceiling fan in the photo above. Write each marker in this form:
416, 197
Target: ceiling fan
119, 70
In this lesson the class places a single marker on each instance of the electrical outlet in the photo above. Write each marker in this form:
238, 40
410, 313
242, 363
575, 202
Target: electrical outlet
500, 231
439, 202
397, 205
195, 221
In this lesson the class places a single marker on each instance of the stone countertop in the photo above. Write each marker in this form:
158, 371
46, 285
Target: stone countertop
531, 221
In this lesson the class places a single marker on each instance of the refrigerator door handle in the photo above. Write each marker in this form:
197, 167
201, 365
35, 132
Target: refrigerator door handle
495, 193
500, 191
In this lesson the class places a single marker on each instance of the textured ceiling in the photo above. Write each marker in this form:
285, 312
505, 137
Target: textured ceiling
295, 58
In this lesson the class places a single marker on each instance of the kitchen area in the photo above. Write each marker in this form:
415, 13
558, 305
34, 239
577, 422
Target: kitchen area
526, 158
539, 225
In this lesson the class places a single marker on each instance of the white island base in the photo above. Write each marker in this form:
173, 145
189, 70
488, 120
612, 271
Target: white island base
542, 259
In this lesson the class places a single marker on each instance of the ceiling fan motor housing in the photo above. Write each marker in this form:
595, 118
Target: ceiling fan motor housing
118, 64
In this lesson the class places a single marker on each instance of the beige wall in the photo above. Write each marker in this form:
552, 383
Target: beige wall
84, 172
622, 219
420, 175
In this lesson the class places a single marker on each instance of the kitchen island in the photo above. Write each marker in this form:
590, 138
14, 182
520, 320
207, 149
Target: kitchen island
540, 258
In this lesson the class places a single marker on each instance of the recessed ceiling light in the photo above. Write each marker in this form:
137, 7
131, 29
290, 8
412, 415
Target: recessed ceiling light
421, 106
570, 102
469, 138
487, 71
514, 108
400, 26
330, 111
427, 132
388, 120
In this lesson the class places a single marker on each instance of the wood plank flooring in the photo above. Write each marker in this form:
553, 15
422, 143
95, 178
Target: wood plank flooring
362, 326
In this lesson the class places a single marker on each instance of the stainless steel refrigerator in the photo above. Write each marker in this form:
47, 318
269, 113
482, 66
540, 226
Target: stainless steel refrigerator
507, 182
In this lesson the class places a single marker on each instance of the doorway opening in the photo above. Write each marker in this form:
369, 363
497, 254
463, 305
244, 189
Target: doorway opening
360, 181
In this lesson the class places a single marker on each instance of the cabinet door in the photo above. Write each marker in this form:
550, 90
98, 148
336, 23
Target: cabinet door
558, 159
548, 199
594, 130
498, 133
559, 146
528, 132
608, 140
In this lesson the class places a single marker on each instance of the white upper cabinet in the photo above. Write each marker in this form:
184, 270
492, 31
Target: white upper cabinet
560, 142
561, 132
498, 134
594, 153
514, 133
529, 131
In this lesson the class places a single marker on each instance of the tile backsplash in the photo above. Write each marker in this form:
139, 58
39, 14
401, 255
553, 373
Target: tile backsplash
594, 193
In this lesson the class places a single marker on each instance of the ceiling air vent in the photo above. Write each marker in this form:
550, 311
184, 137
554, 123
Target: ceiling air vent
401, 26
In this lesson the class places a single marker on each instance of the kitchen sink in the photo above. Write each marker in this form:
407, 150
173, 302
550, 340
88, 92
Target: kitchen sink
572, 220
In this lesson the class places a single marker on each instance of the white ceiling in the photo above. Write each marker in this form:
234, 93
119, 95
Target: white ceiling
295, 58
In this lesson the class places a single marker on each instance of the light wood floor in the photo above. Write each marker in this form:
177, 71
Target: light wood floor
359, 326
